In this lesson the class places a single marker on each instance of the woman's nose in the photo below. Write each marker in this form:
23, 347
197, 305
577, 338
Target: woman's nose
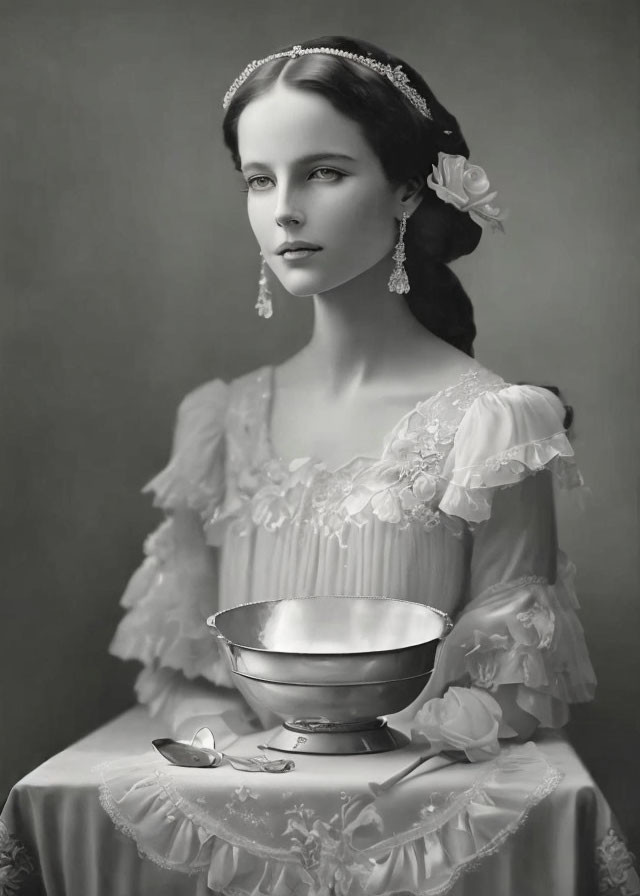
287, 210
285, 219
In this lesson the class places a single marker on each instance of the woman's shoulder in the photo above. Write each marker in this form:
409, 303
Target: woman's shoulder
217, 394
490, 414
473, 391
194, 474
442, 392
208, 396
507, 411
473, 416
504, 433
436, 369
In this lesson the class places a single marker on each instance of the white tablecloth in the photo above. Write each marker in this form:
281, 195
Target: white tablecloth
53, 822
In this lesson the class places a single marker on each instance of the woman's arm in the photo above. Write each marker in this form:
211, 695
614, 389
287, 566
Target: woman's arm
517, 638
516, 651
170, 596
516, 544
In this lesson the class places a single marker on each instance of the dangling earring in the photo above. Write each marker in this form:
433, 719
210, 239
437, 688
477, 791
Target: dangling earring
398, 281
264, 305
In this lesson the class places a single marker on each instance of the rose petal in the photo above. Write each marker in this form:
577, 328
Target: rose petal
482, 202
465, 718
484, 220
453, 169
475, 181
447, 196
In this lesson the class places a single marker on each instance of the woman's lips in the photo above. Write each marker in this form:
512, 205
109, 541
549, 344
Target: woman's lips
297, 254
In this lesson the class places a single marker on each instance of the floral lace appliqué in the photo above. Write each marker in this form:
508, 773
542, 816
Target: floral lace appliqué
615, 863
419, 445
16, 865
326, 850
403, 487
522, 650
244, 804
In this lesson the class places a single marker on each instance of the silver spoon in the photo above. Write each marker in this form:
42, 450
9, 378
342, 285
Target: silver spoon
201, 753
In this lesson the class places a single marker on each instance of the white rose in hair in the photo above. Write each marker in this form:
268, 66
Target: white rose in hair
466, 186
464, 719
475, 181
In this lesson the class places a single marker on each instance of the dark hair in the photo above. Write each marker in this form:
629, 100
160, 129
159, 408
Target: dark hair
407, 145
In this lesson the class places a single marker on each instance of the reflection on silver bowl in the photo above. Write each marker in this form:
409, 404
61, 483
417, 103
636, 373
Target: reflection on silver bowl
332, 702
331, 640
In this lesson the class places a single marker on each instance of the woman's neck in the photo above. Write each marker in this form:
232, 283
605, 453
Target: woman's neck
362, 331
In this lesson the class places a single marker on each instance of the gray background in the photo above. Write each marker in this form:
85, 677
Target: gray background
129, 276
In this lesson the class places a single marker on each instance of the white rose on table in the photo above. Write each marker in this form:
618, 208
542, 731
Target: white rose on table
456, 181
463, 719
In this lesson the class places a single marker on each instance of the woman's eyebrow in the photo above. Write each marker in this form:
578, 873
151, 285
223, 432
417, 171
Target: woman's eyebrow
306, 160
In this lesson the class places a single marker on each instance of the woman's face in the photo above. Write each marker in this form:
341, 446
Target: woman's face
313, 178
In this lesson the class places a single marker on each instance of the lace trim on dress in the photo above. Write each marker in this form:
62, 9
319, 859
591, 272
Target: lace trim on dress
402, 488
502, 440
406, 486
165, 624
472, 501
524, 632
249, 848
514, 461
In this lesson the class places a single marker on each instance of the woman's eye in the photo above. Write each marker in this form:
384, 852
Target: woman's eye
259, 182
327, 174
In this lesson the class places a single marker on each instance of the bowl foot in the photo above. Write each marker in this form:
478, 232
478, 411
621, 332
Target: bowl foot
323, 736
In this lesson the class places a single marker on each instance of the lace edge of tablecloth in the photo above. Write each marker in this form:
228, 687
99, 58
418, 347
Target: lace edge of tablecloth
145, 851
543, 790
384, 869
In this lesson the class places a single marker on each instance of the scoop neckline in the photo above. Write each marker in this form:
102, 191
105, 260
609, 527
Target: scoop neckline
358, 458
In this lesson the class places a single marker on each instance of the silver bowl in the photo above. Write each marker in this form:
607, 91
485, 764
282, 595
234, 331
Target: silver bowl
331, 702
331, 640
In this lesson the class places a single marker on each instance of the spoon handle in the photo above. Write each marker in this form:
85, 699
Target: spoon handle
260, 764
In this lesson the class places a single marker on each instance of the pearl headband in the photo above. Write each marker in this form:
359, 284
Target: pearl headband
397, 77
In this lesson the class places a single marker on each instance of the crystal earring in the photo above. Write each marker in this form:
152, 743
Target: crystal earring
264, 305
398, 281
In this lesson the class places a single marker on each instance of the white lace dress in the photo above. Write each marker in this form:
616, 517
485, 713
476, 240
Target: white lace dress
456, 512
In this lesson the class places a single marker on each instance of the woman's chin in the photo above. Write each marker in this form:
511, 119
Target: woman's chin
316, 286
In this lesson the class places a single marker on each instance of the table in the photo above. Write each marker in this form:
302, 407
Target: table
566, 845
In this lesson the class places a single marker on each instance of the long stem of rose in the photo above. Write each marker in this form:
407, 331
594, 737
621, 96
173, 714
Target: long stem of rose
377, 789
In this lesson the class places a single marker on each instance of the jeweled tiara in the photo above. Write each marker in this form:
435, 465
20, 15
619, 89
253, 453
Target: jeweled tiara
398, 78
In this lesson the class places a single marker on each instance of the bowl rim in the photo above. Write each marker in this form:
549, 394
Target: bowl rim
446, 620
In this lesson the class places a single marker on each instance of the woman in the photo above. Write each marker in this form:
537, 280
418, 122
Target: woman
380, 459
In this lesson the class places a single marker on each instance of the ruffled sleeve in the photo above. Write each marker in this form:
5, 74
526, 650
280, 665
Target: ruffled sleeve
503, 438
194, 476
517, 634
170, 596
